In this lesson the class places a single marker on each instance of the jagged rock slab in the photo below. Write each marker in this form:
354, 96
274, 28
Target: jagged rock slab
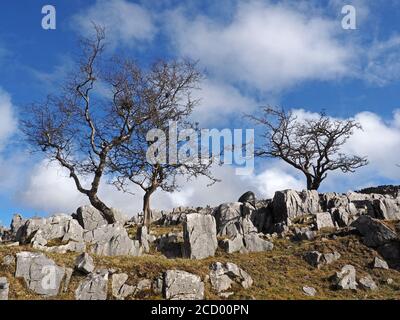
200, 236
374, 232
227, 217
84, 263
40, 273
182, 285
253, 243
289, 204
94, 287
120, 289
112, 240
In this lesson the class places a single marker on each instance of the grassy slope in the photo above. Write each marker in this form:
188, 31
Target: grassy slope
279, 274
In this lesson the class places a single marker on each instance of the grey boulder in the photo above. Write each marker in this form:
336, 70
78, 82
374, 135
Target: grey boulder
93, 287
222, 276
375, 233
112, 240
41, 274
182, 285
346, 278
121, 290
84, 263
200, 236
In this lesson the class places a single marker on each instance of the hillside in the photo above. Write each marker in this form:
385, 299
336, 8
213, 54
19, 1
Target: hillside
282, 272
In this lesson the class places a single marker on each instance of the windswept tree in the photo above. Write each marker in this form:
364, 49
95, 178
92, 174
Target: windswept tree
97, 110
311, 145
165, 146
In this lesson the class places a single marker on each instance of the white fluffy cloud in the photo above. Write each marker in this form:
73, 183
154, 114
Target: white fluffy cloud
8, 121
125, 22
267, 46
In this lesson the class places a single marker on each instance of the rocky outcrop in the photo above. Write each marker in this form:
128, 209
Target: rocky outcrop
182, 285
200, 236
90, 218
290, 204
112, 240
41, 274
39, 231
93, 287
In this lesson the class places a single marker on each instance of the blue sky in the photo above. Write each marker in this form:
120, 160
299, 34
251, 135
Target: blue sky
287, 53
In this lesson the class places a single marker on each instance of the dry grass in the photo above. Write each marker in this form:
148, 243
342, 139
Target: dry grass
278, 274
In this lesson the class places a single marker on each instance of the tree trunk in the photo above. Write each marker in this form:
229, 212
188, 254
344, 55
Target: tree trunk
104, 210
313, 183
146, 209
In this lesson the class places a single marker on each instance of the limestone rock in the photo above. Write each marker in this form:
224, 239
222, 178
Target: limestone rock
380, 264
112, 240
374, 232
289, 204
317, 259
84, 263
94, 287
227, 218
346, 278
41, 274
232, 245
90, 218
120, 289
143, 237
309, 291
200, 236
248, 197
182, 285
368, 283
253, 243
4, 288
324, 220
222, 276
8, 260
67, 280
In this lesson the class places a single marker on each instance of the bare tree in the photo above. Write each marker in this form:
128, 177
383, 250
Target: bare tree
312, 146
97, 110
151, 161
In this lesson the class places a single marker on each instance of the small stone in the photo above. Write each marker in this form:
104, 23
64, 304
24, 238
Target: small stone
368, 283
309, 291
380, 264
8, 260
4, 288
389, 281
